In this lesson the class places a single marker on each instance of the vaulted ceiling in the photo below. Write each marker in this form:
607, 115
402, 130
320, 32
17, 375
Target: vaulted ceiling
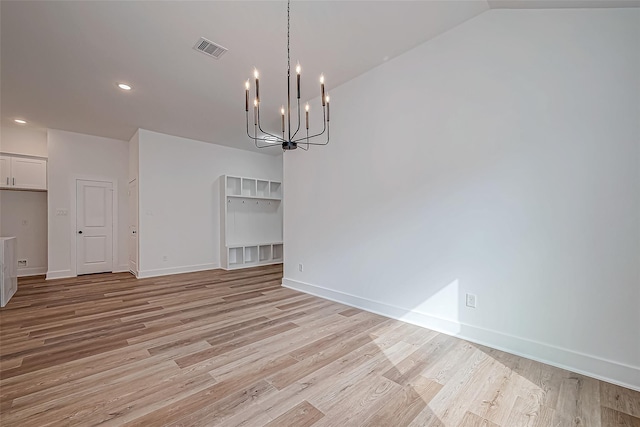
61, 61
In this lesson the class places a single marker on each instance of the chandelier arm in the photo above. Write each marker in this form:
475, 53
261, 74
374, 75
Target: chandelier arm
265, 146
248, 134
255, 133
296, 132
256, 139
324, 128
319, 143
307, 143
267, 133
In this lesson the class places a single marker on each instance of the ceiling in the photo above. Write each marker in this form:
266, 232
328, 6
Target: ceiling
61, 61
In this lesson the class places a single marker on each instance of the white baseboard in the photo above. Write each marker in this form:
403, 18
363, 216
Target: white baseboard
175, 270
59, 274
64, 274
593, 366
32, 271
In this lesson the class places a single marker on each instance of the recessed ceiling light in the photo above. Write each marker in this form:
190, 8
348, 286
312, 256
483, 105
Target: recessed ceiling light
20, 121
124, 86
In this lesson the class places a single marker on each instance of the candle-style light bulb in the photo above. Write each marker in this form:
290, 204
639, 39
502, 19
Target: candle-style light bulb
282, 112
321, 79
256, 75
306, 115
298, 69
246, 96
255, 112
327, 108
322, 88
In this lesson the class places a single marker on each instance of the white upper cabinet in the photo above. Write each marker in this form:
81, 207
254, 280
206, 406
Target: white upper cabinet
23, 173
5, 171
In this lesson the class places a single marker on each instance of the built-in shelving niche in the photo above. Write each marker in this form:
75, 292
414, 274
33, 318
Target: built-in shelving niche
251, 225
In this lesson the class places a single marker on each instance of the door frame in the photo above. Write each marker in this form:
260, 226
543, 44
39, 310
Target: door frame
73, 216
137, 228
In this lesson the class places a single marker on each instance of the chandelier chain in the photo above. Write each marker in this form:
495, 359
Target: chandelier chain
288, 31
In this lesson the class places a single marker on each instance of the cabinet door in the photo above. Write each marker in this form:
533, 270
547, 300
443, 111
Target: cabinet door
29, 173
5, 171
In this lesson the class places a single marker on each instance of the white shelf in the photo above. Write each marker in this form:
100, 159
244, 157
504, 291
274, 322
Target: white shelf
235, 196
278, 252
250, 254
236, 256
264, 253
263, 189
233, 186
243, 244
275, 189
248, 187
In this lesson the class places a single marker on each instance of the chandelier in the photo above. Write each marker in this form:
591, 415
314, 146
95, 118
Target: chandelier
287, 140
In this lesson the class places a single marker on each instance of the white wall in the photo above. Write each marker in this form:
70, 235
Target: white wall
77, 156
25, 140
179, 196
23, 214
500, 159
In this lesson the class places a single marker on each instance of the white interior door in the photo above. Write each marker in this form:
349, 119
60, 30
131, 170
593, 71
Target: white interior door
94, 226
133, 227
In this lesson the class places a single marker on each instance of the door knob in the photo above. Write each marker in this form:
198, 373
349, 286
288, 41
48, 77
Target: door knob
134, 231
80, 232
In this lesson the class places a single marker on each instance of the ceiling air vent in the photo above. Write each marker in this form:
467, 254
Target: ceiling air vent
209, 48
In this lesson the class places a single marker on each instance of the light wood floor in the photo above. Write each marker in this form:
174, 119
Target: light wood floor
235, 348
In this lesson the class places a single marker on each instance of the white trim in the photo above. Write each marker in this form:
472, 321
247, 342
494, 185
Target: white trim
24, 156
32, 271
73, 256
603, 369
131, 270
59, 274
176, 270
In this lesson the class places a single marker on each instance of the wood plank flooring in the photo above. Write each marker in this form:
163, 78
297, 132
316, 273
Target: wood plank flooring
237, 349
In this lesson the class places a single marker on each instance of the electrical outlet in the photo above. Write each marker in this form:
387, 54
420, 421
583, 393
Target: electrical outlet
471, 301
300, 267
22, 263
